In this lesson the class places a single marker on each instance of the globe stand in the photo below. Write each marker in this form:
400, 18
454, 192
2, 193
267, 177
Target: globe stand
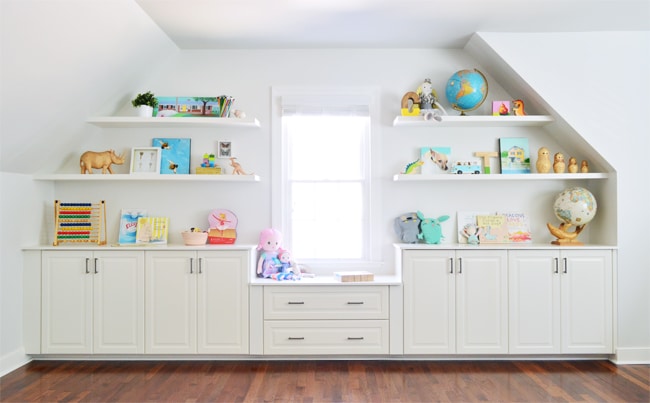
565, 237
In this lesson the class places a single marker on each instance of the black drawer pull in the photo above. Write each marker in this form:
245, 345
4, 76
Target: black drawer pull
296, 338
296, 303
355, 302
355, 338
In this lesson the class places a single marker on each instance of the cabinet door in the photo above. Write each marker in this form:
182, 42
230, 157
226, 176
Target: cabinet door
223, 302
66, 302
170, 302
534, 300
587, 301
429, 305
118, 308
482, 302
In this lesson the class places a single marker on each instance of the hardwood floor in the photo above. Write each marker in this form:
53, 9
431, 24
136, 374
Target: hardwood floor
326, 381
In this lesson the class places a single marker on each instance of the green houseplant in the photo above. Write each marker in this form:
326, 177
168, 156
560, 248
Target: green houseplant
145, 103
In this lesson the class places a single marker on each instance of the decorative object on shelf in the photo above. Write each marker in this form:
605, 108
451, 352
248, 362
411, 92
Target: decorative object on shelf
430, 229
500, 108
435, 159
129, 225
224, 149
428, 97
194, 238
152, 230
466, 218
413, 167
584, 167
558, 163
515, 155
99, 160
466, 90
518, 107
471, 232
145, 104
543, 164
236, 168
466, 167
413, 99
80, 222
223, 227
573, 165
145, 160
270, 244
486, 155
175, 155
182, 107
575, 206
407, 227
288, 269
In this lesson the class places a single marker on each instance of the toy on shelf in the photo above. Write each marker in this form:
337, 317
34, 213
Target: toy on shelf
413, 99
413, 167
466, 167
573, 165
208, 166
471, 232
99, 160
584, 167
486, 155
407, 227
430, 228
80, 222
558, 163
543, 163
287, 269
223, 227
236, 167
429, 97
518, 107
269, 243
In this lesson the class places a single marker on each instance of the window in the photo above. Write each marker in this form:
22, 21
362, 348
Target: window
324, 201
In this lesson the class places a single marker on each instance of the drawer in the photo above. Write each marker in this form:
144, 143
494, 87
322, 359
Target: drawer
357, 337
326, 302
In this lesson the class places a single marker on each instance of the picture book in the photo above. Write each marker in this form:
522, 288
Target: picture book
515, 155
518, 225
129, 225
467, 218
152, 230
493, 228
435, 160
175, 157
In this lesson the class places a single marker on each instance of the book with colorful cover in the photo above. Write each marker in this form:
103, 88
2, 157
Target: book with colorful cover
129, 225
518, 225
515, 155
464, 218
493, 228
152, 230
175, 155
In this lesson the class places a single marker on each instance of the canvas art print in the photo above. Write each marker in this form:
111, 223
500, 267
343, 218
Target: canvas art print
435, 160
515, 155
181, 107
175, 157
501, 108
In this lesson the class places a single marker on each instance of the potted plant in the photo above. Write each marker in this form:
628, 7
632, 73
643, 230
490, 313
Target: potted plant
145, 103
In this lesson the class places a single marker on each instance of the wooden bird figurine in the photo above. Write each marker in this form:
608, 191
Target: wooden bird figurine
543, 161
558, 163
563, 235
584, 167
518, 107
573, 165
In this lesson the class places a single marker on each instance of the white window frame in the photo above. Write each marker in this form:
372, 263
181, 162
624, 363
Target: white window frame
279, 187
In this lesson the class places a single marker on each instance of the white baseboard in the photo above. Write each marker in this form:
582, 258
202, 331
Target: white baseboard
13, 360
632, 355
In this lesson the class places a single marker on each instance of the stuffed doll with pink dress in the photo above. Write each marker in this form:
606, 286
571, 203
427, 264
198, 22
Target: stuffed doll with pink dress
269, 262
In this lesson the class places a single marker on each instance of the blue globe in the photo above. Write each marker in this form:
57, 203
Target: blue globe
466, 90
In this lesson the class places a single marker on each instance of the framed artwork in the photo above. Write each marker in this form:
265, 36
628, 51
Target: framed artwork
515, 155
175, 155
224, 149
145, 160
501, 108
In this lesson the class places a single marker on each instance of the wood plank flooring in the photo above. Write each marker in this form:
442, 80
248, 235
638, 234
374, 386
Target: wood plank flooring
326, 381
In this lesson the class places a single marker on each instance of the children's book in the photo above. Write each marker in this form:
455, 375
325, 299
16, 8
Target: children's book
152, 230
493, 228
464, 218
129, 225
518, 225
175, 156
515, 155
435, 160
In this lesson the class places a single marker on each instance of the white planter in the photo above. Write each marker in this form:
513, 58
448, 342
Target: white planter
145, 111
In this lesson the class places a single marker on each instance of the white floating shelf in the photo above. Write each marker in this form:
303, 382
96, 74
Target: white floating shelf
473, 121
499, 177
147, 177
134, 121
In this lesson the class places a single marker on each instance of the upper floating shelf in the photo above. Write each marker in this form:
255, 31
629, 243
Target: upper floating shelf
499, 177
134, 121
473, 121
147, 177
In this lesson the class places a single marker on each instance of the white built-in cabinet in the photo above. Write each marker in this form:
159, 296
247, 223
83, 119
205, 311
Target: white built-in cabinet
92, 302
455, 302
197, 302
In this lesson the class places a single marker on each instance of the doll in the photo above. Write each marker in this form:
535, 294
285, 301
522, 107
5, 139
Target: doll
471, 232
269, 263
287, 269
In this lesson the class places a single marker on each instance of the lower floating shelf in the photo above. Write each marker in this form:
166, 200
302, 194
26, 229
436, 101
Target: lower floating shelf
146, 177
499, 177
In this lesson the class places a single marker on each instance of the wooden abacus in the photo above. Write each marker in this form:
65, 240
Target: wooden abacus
80, 222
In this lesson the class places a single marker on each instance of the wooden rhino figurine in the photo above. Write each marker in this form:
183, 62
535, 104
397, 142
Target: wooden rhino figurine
97, 160
430, 229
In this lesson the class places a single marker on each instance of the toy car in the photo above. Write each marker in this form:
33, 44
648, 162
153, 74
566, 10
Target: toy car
466, 167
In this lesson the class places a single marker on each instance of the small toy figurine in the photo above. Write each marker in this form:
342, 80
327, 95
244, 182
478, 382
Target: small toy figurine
471, 232
97, 160
518, 107
412, 99
543, 164
287, 270
269, 263
412, 167
431, 229
236, 168
558, 163
573, 165
584, 167
428, 96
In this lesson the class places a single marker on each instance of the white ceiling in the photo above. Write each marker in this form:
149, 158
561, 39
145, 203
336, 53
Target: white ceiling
259, 24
